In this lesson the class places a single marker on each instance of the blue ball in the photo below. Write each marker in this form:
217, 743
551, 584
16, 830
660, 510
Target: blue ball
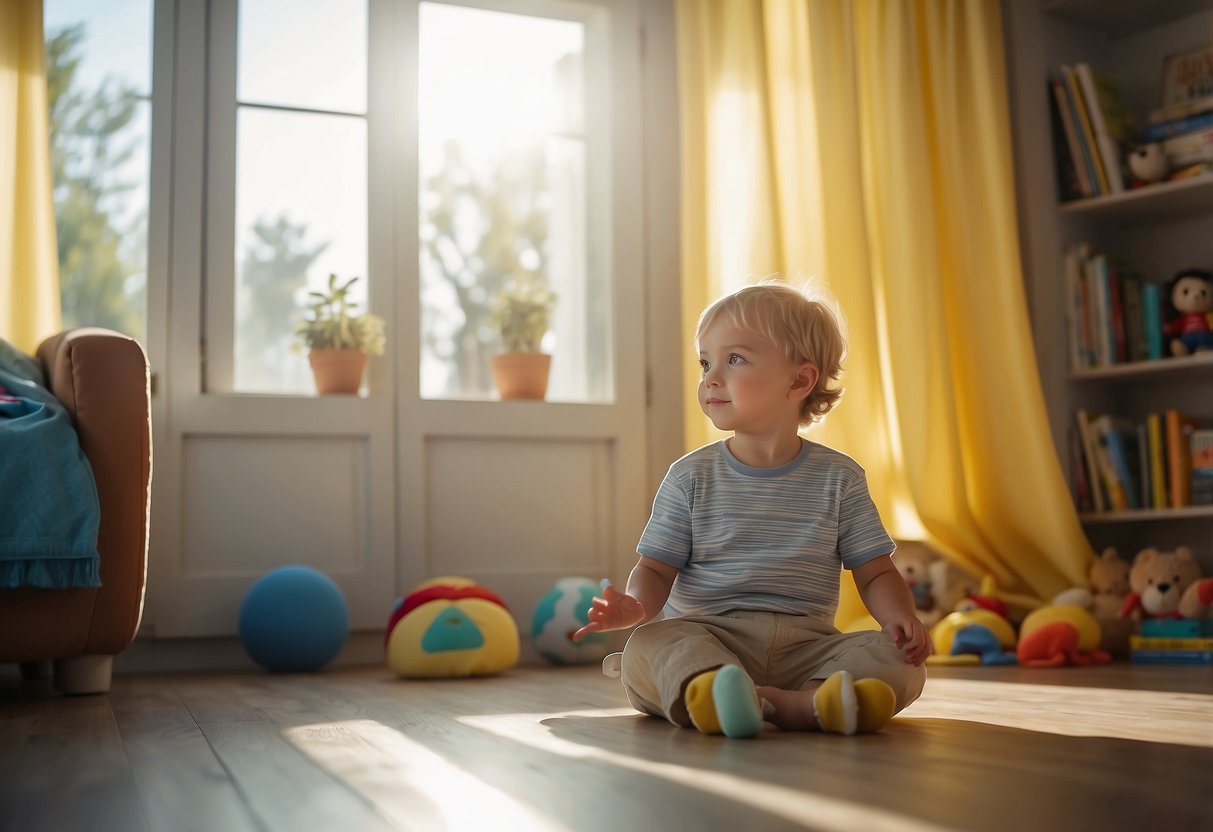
293, 619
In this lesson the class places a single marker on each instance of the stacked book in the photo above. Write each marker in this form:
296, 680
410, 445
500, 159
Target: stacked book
1120, 465
1173, 641
1112, 314
1184, 122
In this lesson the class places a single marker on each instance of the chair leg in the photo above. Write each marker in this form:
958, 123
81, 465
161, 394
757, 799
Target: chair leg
84, 674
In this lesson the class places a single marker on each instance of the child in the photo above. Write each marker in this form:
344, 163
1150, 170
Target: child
743, 549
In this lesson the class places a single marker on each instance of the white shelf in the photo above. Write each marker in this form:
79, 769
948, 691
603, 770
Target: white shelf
1184, 197
1139, 515
1170, 368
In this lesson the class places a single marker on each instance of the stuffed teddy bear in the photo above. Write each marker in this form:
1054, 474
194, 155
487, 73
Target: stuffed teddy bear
1191, 293
913, 560
1109, 579
1157, 581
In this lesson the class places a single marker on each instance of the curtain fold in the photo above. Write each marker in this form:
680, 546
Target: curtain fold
29, 265
866, 143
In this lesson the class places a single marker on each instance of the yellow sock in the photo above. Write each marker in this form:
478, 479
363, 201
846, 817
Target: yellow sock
876, 705
846, 706
700, 706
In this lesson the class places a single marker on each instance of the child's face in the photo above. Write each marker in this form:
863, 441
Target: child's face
748, 384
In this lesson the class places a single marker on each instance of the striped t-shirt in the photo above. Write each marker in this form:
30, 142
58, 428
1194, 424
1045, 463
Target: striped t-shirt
762, 538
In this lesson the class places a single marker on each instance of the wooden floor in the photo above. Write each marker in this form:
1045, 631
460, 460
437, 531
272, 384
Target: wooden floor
1122, 747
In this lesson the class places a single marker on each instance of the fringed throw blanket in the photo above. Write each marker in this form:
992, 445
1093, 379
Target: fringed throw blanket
49, 514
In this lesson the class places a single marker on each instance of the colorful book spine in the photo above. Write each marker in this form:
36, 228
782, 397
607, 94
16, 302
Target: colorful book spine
1172, 643
1177, 628
1167, 129
1158, 476
1200, 452
1105, 146
1087, 435
1151, 318
1171, 656
1099, 183
1179, 461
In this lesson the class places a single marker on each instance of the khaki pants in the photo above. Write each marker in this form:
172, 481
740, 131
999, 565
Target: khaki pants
783, 651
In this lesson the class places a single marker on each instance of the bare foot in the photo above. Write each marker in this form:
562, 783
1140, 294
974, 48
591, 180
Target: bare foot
793, 708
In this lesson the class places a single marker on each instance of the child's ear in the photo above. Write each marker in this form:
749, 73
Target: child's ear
805, 381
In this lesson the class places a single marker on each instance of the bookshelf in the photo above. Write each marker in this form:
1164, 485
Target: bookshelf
1158, 228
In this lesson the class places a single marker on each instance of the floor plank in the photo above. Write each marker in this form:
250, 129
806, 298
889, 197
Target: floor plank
998, 749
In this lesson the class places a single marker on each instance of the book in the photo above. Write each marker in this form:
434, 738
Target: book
1181, 110
1198, 169
1071, 174
1200, 447
1075, 314
1086, 135
1171, 656
1174, 127
1151, 319
1189, 148
1158, 476
1087, 437
1179, 462
1106, 146
1187, 76
1135, 332
1177, 627
1170, 643
1113, 457
1144, 481
1078, 472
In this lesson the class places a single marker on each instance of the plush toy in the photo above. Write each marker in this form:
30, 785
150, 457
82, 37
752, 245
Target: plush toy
1158, 580
1191, 293
450, 627
561, 612
977, 636
1058, 635
1197, 600
1109, 578
913, 560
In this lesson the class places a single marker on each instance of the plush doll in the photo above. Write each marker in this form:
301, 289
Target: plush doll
1191, 330
913, 560
1058, 635
1109, 579
1158, 581
1197, 600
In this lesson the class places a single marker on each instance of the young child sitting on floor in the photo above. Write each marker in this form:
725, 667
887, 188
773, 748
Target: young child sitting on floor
746, 540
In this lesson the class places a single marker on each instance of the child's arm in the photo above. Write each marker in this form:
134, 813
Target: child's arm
648, 588
885, 594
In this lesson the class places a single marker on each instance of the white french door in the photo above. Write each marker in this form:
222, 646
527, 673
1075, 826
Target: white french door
388, 488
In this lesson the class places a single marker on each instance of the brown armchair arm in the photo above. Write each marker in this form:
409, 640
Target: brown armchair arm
102, 378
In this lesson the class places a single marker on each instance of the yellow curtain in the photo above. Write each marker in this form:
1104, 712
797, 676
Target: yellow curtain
29, 265
866, 143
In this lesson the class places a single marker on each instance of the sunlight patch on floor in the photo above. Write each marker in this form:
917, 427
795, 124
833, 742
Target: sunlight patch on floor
1148, 716
406, 781
827, 814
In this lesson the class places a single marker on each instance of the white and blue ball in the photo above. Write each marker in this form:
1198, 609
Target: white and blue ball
559, 614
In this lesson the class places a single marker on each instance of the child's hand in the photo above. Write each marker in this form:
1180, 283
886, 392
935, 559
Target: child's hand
613, 611
911, 636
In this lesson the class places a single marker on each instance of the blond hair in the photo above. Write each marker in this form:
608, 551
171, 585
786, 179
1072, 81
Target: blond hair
804, 325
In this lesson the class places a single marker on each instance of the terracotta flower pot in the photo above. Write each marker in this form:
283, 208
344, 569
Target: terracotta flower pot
521, 375
337, 371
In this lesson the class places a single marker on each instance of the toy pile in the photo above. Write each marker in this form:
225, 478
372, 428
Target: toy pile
1174, 605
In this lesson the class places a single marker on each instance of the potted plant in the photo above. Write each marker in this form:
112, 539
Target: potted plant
522, 314
338, 340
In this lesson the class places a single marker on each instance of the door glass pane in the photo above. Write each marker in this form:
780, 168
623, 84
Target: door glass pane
303, 53
98, 65
504, 194
301, 214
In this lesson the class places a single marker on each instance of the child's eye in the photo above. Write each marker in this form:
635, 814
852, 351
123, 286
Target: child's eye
703, 366
735, 359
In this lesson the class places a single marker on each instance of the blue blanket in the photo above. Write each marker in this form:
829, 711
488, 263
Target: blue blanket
49, 513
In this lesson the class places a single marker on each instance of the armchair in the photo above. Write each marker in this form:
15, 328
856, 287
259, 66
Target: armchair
102, 379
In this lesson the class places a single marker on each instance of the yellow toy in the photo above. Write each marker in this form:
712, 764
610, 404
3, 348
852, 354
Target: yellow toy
1059, 635
450, 627
976, 636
